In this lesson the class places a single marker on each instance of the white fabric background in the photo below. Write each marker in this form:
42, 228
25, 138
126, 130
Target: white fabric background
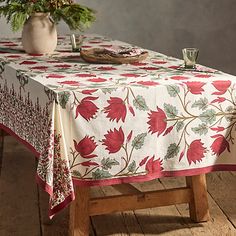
167, 26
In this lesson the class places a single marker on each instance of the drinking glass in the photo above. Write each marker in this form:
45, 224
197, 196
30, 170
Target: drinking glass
76, 42
190, 56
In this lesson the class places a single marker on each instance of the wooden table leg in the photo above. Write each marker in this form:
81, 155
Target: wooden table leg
198, 207
79, 212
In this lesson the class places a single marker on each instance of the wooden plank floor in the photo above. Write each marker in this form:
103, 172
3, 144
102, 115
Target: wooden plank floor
23, 209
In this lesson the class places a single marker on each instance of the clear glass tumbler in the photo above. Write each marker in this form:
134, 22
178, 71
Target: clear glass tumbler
190, 56
76, 42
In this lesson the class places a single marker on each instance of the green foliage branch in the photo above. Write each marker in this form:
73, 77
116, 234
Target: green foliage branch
76, 16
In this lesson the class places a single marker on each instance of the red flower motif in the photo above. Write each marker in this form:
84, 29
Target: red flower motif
148, 83
116, 109
85, 75
195, 87
55, 76
159, 62
131, 75
181, 155
157, 121
12, 45
143, 162
97, 80
173, 67
86, 108
153, 167
221, 86
129, 136
196, 151
89, 163
114, 140
168, 130
86, 147
70, 82
6, 42
131, 109
203, 75
220, 144
89, 91
63, 66
179, 77
218, 129
219, 100
13, 56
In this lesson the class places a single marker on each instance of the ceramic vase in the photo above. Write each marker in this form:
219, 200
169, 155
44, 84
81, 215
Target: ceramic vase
39, 34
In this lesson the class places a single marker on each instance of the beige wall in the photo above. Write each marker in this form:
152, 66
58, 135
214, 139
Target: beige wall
169, 25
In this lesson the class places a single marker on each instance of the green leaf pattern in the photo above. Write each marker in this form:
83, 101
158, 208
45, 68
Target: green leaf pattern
170, 110
140, 103
208, 116
138, 141
201, 104
202, 129
107, 163
132, 167
172, 151
101, 174
179, 126
173, 90
108, 90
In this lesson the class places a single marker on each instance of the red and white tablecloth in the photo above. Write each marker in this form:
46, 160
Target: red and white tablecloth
97, 124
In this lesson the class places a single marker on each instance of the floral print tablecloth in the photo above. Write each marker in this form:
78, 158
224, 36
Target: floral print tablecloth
92, 124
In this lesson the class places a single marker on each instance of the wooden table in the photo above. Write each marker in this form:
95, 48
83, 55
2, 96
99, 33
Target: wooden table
195, 194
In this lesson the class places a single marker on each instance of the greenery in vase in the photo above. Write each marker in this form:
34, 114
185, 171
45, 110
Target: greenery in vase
76, 16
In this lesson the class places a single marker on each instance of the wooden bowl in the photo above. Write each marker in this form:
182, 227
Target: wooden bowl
99, 55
